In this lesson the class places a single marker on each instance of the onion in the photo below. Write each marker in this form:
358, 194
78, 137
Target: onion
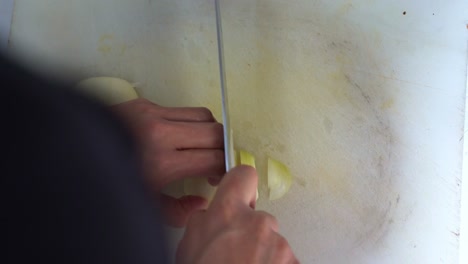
199, 187
246, 158
109, 90
279, 179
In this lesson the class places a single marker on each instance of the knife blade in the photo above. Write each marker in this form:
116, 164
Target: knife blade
227, 132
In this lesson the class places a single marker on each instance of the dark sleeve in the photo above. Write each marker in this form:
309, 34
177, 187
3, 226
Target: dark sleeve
71, 188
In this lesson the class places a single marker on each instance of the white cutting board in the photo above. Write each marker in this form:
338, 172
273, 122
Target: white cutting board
363, 100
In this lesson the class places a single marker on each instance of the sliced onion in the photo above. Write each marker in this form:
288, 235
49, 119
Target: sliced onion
246, 158
279, 179
199, 187
109, 90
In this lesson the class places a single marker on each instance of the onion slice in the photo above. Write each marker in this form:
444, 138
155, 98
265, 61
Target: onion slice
246, 158
279, 179
199, 187
109, 90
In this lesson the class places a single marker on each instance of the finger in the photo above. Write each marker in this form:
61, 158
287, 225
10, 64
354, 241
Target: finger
238, 187
193, 163
195, 222
214, 181
187, 114
186, 135
178, 211
284, 253
267, 219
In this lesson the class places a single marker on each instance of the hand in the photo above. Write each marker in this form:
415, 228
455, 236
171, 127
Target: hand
231, 231
176, 143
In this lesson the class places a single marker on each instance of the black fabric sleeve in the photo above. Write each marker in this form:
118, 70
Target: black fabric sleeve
71, 188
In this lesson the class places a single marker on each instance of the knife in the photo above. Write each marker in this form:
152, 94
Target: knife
227, 132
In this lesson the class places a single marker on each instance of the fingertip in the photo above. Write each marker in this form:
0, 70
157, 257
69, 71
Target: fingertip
245, 171
188, 114
240, 185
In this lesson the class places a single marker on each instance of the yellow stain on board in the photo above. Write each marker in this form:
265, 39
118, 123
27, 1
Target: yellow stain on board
107, 45
345, 8
123, 49
104, 49
387, 104
105, 37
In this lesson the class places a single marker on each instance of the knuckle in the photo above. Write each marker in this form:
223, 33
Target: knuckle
157, 128
140, 102
262, 225
217, 131
145, 106
218, 157
144, 101
228, 205
282, 246
218, 128
204, 112
264, 218
225, 213
164, 162
263, 232
162, 165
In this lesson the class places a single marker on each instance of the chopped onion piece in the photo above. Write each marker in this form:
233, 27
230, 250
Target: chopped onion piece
246, 158
279, 179
199, 187
109, 90
237, 158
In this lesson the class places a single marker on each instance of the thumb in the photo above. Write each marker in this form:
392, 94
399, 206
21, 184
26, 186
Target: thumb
238, 186
178, 211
